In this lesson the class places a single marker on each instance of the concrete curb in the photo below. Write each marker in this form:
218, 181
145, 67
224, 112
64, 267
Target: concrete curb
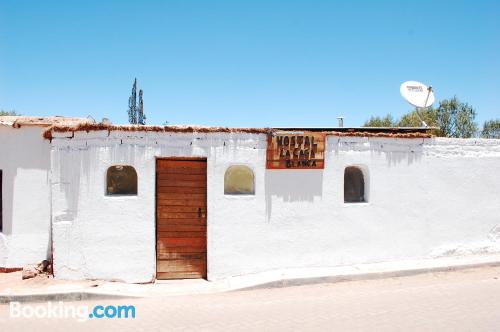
364, 276
243, 283
54, 297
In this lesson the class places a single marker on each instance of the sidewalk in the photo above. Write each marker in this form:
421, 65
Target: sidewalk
42, 288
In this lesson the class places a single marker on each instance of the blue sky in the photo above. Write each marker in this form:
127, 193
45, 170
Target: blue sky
246, 63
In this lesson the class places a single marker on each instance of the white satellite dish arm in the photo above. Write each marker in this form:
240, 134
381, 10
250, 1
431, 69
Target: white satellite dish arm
429, 90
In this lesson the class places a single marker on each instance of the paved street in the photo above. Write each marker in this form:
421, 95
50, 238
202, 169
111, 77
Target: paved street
467, 300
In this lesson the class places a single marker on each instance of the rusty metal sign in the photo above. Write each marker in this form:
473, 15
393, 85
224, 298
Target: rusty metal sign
296, 150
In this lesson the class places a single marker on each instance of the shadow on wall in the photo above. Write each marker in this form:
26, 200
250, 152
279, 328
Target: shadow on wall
25, 149
69, 166
292, 186
79, 164
408, 154
8, 176
395, 152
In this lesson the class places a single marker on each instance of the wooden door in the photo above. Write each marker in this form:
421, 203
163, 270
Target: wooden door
181, 218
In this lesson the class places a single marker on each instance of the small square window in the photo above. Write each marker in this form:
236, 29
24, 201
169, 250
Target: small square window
121, 180
239, 180
354, 185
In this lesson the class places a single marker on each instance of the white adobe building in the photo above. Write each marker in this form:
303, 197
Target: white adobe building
25, 210
143, 203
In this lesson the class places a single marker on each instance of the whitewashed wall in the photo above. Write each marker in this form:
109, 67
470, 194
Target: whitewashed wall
99, 236
24, 160
427, 198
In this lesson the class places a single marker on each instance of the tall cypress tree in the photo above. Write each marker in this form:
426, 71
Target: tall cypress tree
132, 104
141, 117
136, 112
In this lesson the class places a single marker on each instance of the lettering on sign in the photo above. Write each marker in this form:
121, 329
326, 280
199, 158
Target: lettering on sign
304, 150
413, 88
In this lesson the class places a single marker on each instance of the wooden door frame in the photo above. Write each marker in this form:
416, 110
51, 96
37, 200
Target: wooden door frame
156, 205
182, 158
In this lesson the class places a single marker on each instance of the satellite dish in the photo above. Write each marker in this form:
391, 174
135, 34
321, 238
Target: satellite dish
417, 94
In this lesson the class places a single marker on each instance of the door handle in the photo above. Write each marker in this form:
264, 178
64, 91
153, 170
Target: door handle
199, 215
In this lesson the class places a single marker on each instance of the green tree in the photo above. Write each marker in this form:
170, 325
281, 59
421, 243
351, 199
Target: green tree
2, 113
452, 117
413, 120
491, 129
456, 119
376, 121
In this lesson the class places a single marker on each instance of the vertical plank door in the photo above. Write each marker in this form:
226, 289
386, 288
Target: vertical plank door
181, 218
